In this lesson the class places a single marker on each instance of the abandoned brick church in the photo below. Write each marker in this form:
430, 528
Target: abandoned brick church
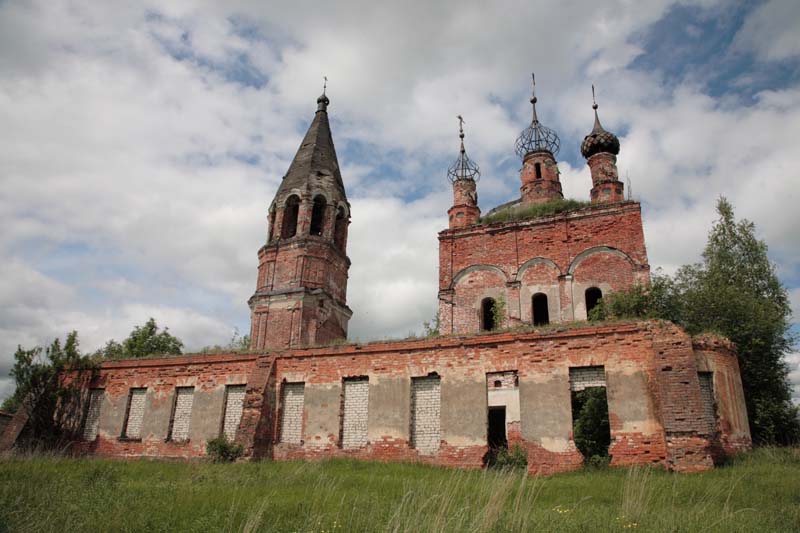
515, 292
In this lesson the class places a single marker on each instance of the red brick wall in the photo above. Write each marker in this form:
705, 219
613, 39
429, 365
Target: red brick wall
560, 255
651, 369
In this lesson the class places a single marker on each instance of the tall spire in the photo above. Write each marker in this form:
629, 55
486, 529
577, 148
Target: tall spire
316, 155
536, 137
463, 168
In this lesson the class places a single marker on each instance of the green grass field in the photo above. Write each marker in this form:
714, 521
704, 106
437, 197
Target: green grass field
759, 491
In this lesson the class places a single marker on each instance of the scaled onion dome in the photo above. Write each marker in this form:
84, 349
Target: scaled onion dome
599, 140
536, 137
463, 168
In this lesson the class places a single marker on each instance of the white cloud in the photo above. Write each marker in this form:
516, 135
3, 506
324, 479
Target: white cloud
771, 31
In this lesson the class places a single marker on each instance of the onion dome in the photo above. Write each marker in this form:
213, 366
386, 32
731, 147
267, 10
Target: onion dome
599, 140
463, 168
536, 137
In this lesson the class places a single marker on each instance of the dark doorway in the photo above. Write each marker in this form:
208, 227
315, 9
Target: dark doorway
497, 428
593, 296
487, 314
541, 315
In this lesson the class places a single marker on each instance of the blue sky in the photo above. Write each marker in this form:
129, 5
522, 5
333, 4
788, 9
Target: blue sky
142, 142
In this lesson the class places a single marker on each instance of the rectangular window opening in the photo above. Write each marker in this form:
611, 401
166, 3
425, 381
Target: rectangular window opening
181, 414
232, 414
91, 423
590, 424
426, 398
134, 414
292, 402
707, 399
355, 402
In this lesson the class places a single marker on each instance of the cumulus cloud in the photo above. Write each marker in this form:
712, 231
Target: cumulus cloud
144, 142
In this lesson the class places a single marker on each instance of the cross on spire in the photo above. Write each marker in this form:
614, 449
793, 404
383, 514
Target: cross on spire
461, 132
325, 85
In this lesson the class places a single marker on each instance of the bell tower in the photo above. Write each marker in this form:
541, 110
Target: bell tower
301, 289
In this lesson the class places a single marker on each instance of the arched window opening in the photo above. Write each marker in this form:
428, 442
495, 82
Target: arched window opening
541, 315
340, 229
593, 296
488, 311
538, 168
290, 211
318, 215
272, 223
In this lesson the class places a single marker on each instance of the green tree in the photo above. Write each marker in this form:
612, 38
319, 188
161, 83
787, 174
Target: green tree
143, 341
590, 425
736, 292
733, 291
49, 387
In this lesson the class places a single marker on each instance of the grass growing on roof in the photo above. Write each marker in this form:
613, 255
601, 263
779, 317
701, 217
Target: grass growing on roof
517, 212
758, 491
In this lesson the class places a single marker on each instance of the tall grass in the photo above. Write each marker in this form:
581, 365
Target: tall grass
758, 491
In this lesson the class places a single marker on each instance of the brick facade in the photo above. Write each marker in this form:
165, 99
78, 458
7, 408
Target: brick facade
379, 400
672, 400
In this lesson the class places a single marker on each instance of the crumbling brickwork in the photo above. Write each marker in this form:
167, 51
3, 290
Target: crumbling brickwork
560, 256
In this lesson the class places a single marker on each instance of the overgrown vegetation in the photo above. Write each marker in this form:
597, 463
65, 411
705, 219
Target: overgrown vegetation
143, 341
49, 388
221, 450
758, 492
509, 459
733, 291
516, 212
590, 427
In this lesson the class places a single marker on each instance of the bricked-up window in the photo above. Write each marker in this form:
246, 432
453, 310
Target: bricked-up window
181, 414
541, 314
340, 228
234, 403
318, 215
134, 414
707, 399
590, 425
593, 296
488, 313
426, 413
91, 424
290, 211
292, 399
355, 400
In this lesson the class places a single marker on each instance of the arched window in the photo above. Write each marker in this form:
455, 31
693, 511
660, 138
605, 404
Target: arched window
290, 210
488, 306
541, 315
318, 215
593, 295
340, 231
538, 168
272, 223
